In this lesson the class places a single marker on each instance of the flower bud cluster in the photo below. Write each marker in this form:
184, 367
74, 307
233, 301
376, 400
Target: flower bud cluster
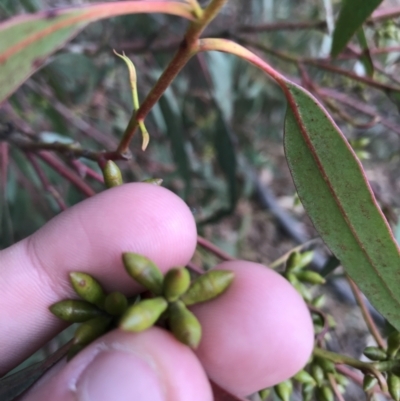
173, 293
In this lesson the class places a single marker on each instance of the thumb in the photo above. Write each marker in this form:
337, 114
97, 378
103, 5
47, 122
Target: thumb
147, 366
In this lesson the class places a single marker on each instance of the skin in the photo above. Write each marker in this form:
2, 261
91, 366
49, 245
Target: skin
255, 335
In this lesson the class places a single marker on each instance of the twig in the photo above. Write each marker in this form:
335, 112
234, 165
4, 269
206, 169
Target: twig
366, 315
335, 388
83, 170
323, 64
46, 183
186, 50
61, 169
213, 249
320, 336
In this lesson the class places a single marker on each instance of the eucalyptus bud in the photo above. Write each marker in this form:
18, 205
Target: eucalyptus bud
208, 286
90, 330
319, 301
88, 288
73, 350
369, 382
327, 365
154, 181
375, 353
301, 288
143, 315
297, 260
74, 311
325, 393
304, 378
393, 344
264, 393
307, 392
176, 283
311, 277
184, 324
116, 303
284, 390
112, 175
393, 383
144, 271
317, 373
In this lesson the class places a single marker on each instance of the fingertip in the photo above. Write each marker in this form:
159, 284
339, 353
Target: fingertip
257, 334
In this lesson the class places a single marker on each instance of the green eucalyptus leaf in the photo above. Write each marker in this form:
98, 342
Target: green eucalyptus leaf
352, 15
26, 42
333, 189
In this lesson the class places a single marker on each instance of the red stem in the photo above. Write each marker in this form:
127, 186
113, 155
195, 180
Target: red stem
66, 173
46, 183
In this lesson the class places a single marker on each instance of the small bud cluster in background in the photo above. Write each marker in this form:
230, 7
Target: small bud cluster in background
314, 381
388, 361
99, 312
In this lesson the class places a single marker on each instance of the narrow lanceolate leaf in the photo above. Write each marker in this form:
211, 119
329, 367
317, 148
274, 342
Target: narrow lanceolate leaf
26, 41
334, 191
365, 58
352, 15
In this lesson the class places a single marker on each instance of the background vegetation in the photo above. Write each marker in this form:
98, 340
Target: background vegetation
216, 134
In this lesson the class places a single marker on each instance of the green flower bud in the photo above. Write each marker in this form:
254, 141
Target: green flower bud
74, 311
184, 324
143, 315
208, 286
296, 260
393, 344
311, 277
317, 373
73, 350
325, 393
369, 382
301, 288
284, 390
176, 283
116, 303
264, 393
393, 383
88, 288
90, 330
304, 378
154, 181
319, 301
375, 353
327, 365
112, 175
307, 392
144, 271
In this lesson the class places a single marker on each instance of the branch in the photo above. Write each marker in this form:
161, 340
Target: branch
366, 315
65, 172
46, 183
186, 50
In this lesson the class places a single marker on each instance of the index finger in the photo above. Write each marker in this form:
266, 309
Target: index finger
89, 237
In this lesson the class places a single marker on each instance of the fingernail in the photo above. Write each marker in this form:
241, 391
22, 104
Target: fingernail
117, 375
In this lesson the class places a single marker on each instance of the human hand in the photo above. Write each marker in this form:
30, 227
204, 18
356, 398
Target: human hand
255, 335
